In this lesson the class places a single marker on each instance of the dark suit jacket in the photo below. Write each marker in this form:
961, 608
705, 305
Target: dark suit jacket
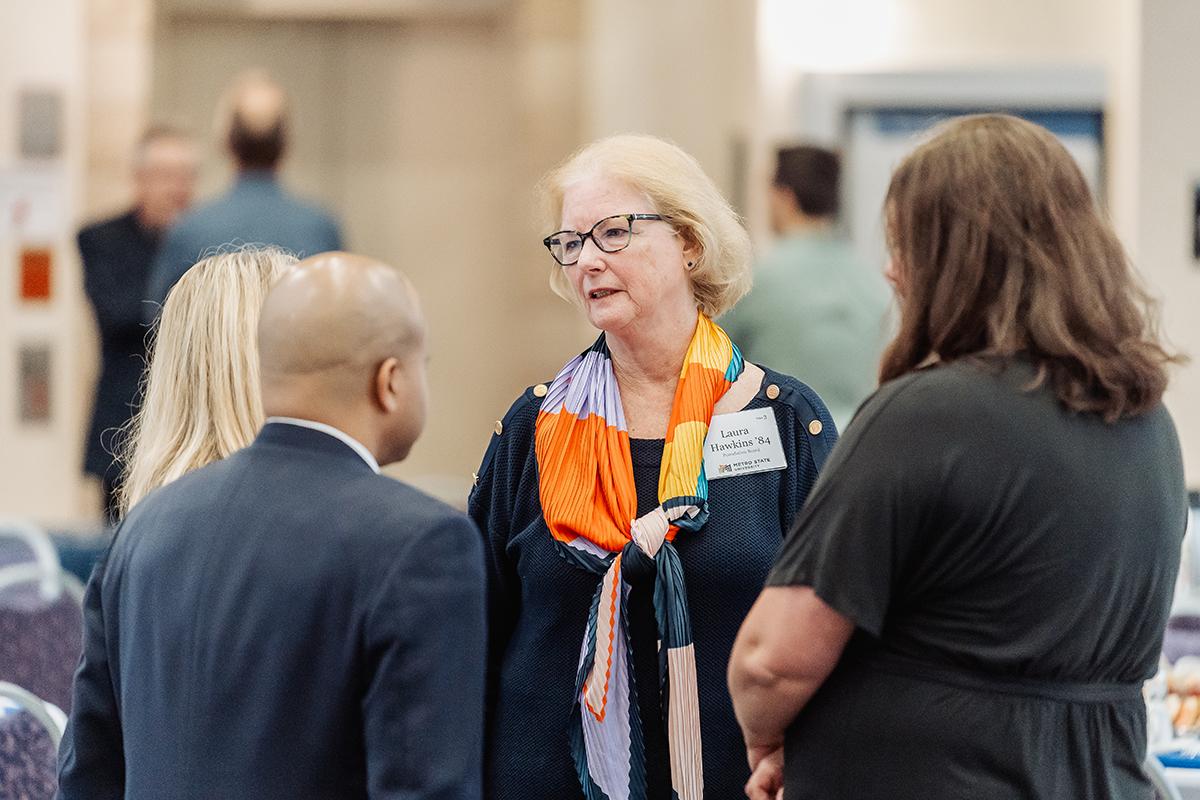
282, 624
117, 257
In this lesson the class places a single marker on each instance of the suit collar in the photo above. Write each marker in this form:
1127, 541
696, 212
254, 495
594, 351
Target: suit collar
295, 437
354, 444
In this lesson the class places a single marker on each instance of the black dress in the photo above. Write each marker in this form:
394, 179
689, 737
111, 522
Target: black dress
539, 602
1009, 566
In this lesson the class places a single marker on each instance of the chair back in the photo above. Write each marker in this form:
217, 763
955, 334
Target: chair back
41, 616
23, 547
30, 731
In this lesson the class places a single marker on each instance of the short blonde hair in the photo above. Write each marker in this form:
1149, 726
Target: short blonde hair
678, 188
201, 391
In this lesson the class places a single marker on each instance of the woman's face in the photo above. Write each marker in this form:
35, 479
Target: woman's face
634, 287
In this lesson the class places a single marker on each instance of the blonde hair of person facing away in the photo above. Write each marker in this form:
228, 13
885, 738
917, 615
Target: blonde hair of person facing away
677, 187
201, 398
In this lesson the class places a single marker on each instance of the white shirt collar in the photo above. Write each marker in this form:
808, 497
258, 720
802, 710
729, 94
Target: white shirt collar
351, 442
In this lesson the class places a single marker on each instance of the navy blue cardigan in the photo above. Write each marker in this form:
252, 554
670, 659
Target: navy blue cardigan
538, 603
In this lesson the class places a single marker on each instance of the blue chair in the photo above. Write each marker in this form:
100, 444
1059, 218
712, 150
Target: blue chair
41, 615
30, 731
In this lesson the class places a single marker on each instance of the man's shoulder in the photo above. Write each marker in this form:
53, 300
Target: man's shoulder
389, 497
105, 228
194, 485
384, 511
305, 210
196, 226
393, 520
218, 210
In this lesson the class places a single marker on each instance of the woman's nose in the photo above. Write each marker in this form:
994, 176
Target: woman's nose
591, 257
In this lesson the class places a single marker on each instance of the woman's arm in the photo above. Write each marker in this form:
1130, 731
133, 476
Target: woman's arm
786, 648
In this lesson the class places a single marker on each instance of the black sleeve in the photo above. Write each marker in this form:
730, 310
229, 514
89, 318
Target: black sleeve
490, 506
91, 757
116, 300
423, 708
863, 521
806, 450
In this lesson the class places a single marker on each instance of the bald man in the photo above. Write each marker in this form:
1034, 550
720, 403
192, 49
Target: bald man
254, 122
287, 623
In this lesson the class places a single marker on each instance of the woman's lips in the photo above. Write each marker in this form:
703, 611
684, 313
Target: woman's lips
600, 294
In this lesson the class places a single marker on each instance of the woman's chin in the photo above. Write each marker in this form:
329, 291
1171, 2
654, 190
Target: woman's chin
608, 320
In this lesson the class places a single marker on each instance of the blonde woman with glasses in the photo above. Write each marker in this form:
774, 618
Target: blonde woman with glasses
201, 394
633, 505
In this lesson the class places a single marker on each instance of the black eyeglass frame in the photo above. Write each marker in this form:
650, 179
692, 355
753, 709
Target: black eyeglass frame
583, 237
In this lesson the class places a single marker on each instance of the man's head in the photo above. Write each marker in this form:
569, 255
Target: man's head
164, 175
342, 341
804, 192
254, 121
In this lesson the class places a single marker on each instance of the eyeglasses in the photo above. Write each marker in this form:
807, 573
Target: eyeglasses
610, 234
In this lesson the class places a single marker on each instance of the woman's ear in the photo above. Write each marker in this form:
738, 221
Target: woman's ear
691, 249
387, 378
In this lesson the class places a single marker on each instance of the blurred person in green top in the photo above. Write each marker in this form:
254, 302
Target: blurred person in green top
816, 309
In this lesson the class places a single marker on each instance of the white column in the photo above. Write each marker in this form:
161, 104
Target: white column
1166, 153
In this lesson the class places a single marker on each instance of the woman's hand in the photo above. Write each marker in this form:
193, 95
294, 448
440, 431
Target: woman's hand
756, 752
766, 777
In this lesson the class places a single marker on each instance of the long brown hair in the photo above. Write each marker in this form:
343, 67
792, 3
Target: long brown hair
1002, 252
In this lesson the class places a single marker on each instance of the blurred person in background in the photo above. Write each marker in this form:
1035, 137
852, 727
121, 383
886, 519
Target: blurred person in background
970, 602
117, 256
623, 550
255, 123
201, 399
287, 622
816, 309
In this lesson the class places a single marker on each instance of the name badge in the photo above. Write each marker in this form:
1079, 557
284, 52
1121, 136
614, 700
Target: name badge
743, 444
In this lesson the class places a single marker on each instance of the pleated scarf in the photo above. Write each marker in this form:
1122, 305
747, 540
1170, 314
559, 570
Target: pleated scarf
590, 505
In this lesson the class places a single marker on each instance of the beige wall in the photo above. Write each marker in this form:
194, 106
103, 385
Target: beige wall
42, 46
117, 66
1166, 153
426, 140
683, 69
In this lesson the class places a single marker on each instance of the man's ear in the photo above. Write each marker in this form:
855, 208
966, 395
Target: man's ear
387, 378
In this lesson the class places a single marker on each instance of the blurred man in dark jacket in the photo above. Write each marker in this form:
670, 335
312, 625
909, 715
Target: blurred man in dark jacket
118, 254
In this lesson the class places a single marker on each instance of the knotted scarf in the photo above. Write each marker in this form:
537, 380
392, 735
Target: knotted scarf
590, 505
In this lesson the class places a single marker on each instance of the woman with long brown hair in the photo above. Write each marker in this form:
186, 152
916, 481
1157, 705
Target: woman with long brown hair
977, 588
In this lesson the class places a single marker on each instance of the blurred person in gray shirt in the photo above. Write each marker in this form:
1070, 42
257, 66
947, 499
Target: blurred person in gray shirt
816, 310
256, 209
